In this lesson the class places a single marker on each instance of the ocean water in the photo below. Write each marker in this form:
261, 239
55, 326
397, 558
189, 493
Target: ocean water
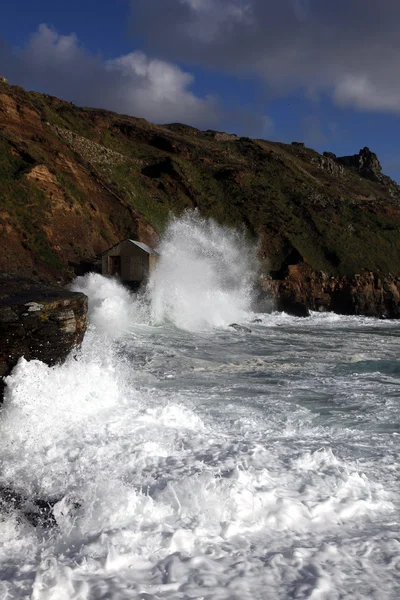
186, 460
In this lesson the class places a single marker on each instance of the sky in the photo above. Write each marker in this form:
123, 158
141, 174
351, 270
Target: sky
326, 72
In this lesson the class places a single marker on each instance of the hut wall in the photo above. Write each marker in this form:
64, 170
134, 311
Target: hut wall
134, 262
135, 265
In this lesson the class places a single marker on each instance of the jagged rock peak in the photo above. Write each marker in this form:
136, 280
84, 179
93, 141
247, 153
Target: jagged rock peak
365, 162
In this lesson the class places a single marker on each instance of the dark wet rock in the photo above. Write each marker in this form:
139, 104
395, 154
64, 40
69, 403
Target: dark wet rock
240, 328
257, 321
37, 511
292, 307
38, 323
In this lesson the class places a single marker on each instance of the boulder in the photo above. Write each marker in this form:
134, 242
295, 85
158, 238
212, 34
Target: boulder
292, 307
44, 324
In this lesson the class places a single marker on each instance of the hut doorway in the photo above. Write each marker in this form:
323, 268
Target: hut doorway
115, 265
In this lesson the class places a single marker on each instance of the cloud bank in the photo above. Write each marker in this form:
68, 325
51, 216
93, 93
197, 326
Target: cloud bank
349, 50
133, 84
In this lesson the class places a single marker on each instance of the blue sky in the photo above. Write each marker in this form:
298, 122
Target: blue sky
309, 70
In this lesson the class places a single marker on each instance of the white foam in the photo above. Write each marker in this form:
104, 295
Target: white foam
215, 483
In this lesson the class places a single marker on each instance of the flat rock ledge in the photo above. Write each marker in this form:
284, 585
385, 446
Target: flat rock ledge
43, 324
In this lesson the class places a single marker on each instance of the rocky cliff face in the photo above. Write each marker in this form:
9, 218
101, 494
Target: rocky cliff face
75, 181
37, 322
303, 289
365, 162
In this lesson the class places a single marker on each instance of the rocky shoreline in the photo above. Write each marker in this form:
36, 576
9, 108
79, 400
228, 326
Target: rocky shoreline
301, 289
38, 322
43, 322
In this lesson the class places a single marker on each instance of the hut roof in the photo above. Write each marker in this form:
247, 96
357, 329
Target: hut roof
140, 245
143, 247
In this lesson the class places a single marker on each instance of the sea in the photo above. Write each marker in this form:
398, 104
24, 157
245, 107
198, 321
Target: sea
181, 458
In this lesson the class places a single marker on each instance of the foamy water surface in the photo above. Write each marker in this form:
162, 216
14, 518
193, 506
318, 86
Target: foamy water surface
188, 460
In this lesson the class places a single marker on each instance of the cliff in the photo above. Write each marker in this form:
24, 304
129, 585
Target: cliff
74, 181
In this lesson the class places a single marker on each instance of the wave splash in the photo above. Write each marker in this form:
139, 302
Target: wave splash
205, 275
204, 279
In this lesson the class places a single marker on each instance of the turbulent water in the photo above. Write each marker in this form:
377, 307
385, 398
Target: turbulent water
187, 460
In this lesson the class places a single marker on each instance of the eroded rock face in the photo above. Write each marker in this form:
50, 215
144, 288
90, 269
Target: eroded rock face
365, 162
364, 294
44, 324
328, 162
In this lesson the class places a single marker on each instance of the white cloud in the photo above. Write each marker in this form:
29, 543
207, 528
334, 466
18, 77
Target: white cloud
157, 89
360, 92
133, 84
350, 50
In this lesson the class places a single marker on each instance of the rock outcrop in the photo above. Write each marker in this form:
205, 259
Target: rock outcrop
221, 136
328, 162
302, 289
366, 163
39, 323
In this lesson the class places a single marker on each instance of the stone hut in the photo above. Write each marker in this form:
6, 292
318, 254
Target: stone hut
130, 260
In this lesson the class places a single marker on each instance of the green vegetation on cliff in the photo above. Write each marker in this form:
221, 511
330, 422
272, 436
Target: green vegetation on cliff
73, 181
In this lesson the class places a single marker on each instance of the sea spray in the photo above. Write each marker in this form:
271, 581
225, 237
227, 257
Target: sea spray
205, 275
204, 279
112, 307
